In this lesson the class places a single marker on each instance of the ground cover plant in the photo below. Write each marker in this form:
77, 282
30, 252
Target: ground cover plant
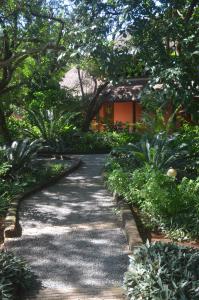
15, 276
163, 272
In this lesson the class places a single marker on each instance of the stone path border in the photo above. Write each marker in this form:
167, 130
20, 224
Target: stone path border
128, 221
12, 226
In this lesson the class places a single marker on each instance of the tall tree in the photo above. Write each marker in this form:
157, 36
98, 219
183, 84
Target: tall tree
165, 35
27, 29
99, 48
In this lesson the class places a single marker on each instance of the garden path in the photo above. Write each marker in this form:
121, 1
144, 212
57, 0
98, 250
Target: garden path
72, 238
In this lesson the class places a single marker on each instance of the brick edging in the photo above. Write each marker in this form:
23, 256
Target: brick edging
128, 222
12, 226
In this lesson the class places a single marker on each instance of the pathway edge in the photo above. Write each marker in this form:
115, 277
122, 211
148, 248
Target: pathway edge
130, 227
12, 227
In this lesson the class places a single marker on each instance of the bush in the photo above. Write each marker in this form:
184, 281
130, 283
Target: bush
15, 276
163, 272
18, 127
160, 152
164, 204
189, 134
98, 142
21, 153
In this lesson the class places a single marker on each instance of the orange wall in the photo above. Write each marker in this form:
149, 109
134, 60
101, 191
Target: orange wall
138, 112
123, 112
101, 112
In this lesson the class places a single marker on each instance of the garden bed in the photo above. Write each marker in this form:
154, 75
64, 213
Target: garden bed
152, 236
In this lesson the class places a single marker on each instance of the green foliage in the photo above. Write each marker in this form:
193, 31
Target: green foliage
32, 36
98, 142
164, 204
189, 134
155, 122
15, 276
20, 154
18, 126
161, 151
118, 180
49, 124
54, 168
163, 272
161, 37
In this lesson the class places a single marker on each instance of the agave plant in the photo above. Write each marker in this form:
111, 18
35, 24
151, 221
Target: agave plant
49, 124
21, 153
159, 152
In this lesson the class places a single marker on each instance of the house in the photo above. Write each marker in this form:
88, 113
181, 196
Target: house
121, 103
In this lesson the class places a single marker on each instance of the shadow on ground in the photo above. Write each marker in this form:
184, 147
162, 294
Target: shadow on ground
71, 236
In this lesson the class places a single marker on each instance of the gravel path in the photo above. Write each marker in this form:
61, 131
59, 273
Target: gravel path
72, 238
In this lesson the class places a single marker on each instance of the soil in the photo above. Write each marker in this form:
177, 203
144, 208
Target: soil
146, 234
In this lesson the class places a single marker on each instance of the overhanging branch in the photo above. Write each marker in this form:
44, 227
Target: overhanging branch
23, 55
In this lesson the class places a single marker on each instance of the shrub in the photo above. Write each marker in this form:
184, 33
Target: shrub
164, 204
18, 127
163, 272
98, 142
49, 124
159, 152
15, 276
118, 181
20, 154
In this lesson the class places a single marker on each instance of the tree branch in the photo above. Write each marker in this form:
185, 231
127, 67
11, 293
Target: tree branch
11, 88
80, 82
23, 55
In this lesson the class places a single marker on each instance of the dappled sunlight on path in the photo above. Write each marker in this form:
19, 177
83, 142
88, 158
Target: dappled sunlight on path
71, 236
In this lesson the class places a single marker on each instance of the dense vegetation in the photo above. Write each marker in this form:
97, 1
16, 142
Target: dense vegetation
113, 40
163, 272
15, 276
141, 174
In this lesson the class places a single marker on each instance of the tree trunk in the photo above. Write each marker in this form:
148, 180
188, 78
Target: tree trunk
80, 82
4, 132
93, 107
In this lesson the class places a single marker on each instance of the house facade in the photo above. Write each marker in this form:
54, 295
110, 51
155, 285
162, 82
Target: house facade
121, 103
121, 106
